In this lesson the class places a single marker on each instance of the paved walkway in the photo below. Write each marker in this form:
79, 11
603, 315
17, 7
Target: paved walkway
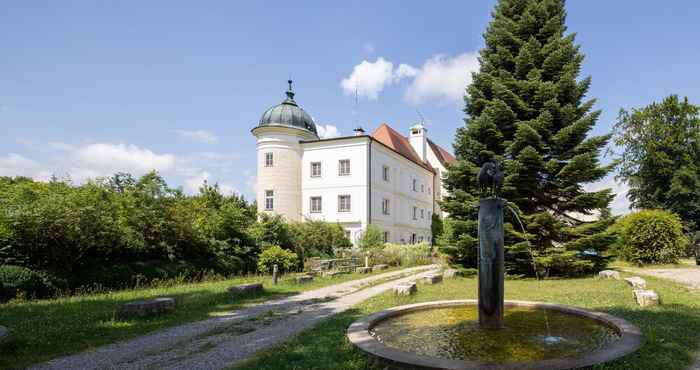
222, 341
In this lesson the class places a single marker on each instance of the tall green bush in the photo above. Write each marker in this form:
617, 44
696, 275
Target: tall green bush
372, 239
650, 237
276, 255
318, 239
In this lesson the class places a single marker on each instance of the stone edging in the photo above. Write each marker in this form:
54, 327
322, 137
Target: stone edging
358, 334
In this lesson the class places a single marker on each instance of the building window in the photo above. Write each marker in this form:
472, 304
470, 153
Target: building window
415, 185
422, 215
386, 237
422, 188
269, 200
268, 159
385, 206
347, 234
315, 169
415, 213
413, 238
316, 204
385, 173
420, 239
343, 203
344, 167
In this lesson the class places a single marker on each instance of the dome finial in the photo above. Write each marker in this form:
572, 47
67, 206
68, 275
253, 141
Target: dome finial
290, 92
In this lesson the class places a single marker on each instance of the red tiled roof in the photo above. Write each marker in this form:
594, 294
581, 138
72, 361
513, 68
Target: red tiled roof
398, 143
442, 155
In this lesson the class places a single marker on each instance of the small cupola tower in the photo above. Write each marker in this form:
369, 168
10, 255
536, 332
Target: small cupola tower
279, 152
418, 140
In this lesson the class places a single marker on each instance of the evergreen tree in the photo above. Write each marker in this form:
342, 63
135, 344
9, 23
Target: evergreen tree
526, 109
660, 158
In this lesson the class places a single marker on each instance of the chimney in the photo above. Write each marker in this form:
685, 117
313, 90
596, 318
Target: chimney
417, 138
359, 131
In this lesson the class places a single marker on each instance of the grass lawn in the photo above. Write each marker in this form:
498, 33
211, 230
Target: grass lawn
45, 329
672, 330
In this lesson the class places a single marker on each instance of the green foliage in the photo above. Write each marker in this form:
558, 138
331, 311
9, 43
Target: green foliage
275, 255
318, 239
436, 227
526, 109
271, 230
660, 157
97, 232
650, 237
403, 254
458, 242
21, 281
372, 239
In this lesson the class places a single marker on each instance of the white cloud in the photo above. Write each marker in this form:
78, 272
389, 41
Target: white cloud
327, 131
193, 184
441, 78
14, 164
369, 78
620, 205
106, 159
197, 135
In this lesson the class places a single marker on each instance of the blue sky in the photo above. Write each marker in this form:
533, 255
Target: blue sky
92, 87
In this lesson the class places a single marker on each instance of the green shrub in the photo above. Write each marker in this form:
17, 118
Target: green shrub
318, 239
403, 255
650, 237
275, 255
372, 239
21, 281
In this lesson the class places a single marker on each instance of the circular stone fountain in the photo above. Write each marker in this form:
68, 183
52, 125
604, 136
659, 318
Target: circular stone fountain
490, 333
447, 335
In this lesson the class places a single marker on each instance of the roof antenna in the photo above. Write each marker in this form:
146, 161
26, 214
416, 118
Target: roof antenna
422, 119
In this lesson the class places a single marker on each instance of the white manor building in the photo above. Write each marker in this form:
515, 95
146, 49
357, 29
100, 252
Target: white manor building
385, 179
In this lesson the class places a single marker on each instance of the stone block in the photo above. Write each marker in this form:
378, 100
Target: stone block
304, 279
363, 270
636, 282
646, 298
405, 288
237, 290
149, 306
433, 279
331, 273
379, 267
609, 274
450, 274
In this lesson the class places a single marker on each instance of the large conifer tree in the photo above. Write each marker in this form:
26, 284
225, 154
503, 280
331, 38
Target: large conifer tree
526, 108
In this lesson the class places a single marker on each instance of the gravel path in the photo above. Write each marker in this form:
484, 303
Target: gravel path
686, 276
222, 341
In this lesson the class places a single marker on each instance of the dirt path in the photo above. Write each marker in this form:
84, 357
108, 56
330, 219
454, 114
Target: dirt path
222, 341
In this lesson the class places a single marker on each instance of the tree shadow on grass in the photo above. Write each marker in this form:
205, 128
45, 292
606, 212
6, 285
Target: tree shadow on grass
42, 330
671, 337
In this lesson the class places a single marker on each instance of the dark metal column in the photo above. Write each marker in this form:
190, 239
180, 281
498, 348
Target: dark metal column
491, 268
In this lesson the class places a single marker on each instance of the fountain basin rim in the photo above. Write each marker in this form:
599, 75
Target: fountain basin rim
359, 335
